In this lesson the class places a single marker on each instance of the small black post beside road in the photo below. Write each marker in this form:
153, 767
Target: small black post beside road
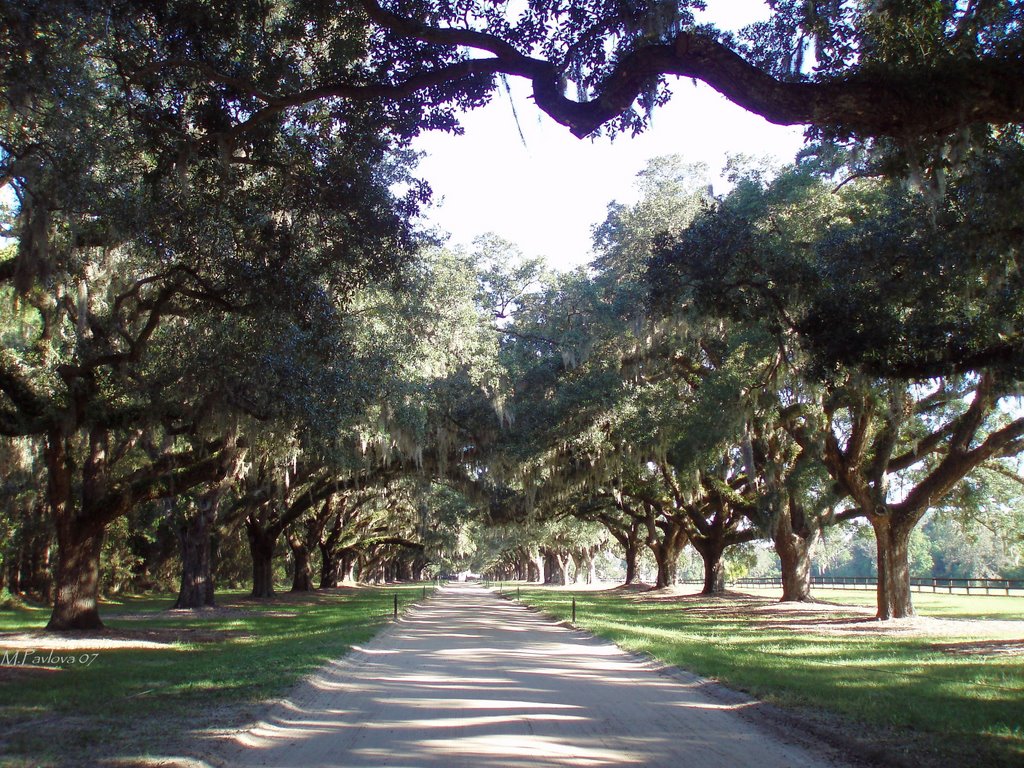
574, 609
396, 606
424, 591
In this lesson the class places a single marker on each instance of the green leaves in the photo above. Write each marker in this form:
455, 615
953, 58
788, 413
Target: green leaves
869, 274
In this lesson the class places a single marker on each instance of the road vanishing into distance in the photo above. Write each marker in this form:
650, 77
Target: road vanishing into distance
468, 679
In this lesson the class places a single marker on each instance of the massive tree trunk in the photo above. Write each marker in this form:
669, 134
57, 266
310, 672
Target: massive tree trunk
628, 537
419, 566
893, 547
303, 539
195, 536
403, 568
666, 554
522, 568
302, 577
667, 558
714, 567
79, 543
591, 563
330, 568
579, 564
631, 551
555, 567
75, 605
793, 543
536, 568
196, 586
795, 562
349, 559
561, 563
80, 532
261, 548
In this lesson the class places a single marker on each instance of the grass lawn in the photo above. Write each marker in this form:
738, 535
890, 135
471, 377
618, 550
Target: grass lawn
941, 604
165, 673
938, 604
913, 687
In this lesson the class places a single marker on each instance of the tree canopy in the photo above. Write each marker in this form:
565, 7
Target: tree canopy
223, 322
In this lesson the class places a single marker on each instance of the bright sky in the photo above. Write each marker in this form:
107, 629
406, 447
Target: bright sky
547, 193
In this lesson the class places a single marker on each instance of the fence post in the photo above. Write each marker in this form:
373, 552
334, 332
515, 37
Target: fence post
396, 606
574, 609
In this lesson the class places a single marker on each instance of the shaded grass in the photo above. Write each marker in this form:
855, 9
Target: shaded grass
906, 689
129, 699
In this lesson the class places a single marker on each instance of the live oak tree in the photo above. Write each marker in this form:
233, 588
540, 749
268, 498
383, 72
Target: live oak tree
875, 296
794, 496
872, 434
131, 238
765, 268
194, 518
337, 551
419, 384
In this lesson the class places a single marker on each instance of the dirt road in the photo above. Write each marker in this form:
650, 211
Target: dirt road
469, 679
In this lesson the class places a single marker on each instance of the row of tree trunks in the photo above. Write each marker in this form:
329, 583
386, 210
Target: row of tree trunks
667, 537
516, 568
556, 566
25, 569
336, 567
81, 518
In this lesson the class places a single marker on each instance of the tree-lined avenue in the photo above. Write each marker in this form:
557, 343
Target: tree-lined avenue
468, 679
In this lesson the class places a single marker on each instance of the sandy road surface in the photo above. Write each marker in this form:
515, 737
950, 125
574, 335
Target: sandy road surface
468, 679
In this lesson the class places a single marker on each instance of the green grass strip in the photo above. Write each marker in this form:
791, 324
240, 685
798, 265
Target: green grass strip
204, 670
958, 707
